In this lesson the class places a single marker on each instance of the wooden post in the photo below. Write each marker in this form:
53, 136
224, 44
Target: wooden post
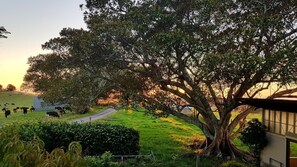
197, 160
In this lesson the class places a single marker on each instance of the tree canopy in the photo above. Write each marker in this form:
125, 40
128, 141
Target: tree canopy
169, 53
10, 87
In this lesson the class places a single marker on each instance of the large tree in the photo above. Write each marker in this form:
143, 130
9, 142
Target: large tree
202, 53
68, 75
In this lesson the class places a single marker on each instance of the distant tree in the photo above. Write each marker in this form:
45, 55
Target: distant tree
1, 87
10, 87
3, 31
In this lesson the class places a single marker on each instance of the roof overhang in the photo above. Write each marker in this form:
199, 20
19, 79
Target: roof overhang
271, 104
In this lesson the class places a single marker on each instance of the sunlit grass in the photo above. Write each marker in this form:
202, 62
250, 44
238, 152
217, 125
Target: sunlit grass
167, 138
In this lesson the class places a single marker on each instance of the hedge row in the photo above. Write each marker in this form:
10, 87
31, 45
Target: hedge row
94, 138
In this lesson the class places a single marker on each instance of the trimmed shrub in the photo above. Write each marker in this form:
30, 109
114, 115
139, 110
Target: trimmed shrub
95, 139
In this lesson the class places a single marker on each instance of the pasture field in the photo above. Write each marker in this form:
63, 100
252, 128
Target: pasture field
41, 116
25, 100
19, 99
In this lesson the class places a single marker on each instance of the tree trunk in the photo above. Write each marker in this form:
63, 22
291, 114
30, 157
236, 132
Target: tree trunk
222, 146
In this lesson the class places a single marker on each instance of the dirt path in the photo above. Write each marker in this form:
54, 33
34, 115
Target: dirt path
95, 117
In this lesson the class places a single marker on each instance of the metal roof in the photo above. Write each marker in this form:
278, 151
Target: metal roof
272, 104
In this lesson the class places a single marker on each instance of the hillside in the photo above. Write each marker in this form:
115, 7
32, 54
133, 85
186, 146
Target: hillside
17, 98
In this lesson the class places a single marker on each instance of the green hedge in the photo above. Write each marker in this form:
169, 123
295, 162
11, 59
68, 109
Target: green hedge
94, 138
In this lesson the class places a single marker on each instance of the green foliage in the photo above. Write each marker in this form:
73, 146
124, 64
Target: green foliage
94, 138
233, 164
105, 160
254, 135
16, 152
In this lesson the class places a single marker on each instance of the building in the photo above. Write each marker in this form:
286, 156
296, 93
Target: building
40, 105
279, 116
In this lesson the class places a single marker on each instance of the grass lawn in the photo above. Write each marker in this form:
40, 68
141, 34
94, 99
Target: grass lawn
167, 138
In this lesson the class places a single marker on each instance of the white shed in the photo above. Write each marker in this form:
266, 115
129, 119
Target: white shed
40, 105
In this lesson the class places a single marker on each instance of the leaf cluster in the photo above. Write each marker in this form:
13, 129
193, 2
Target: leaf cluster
16, 152
95, 139
254, 135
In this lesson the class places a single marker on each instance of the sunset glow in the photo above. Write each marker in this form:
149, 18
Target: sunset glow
31, 24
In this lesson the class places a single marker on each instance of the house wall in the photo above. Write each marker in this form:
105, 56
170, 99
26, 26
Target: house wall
274, 154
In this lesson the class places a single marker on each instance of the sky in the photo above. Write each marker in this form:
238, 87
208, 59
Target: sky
31, 24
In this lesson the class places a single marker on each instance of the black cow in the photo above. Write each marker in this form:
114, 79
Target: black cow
32, 108
53, 114
58, 108
7, 112
4, 109
61, 110
15, 110
25, 109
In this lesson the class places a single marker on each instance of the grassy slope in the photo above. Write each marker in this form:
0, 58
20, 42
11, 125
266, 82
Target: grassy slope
20, 100
166, 137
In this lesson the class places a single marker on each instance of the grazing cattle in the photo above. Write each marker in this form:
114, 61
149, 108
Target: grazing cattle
53, 114
58, 108
12, 104
32, 108
4, 109
15, 110
7, 112
61, 110
25, 109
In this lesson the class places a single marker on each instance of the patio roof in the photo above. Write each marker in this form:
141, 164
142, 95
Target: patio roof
272, 104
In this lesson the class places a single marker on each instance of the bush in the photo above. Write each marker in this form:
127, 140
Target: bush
233, 164
105, 160
94, 138
254, 136
16, 152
